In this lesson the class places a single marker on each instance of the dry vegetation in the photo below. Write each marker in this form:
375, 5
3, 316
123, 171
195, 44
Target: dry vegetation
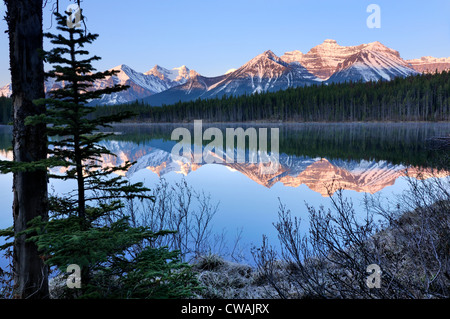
411, 245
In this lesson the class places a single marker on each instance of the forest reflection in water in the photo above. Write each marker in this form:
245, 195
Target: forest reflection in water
315, 160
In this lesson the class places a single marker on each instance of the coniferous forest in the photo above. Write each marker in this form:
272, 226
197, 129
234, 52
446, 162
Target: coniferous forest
423, 97
5, 110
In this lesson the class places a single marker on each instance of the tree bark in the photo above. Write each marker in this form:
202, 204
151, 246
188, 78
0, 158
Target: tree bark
24, 19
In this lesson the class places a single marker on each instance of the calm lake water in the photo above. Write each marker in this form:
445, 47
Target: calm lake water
361, 158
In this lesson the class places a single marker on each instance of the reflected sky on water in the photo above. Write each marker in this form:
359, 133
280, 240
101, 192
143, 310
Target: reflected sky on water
361, 158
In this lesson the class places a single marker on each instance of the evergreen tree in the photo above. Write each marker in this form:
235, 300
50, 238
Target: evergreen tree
84, 228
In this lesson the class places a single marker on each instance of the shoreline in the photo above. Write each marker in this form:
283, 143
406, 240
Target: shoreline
280, 122
127, 123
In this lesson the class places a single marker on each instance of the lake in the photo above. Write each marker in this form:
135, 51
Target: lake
314, 160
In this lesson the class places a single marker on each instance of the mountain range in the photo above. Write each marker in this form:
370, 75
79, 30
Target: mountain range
326, 63
321, 175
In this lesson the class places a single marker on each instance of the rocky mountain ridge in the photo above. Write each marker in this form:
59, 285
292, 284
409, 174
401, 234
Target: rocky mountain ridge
327, 62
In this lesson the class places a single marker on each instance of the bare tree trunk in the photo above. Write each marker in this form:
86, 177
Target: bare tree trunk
24, 19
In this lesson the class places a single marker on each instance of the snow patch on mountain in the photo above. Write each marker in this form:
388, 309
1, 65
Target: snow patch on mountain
370, 61
369, 65
179, 75
6, 91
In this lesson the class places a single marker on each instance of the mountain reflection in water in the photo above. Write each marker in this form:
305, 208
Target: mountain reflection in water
315, 160
324, 157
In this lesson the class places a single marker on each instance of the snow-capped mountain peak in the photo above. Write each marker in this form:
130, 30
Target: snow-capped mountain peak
125, 73
179, 75
323, 59
328, 61
328, 45
266, 55
371, 61
230, 71
142, 85
292, 56
6, 90
182, 73
265, 72
379, 47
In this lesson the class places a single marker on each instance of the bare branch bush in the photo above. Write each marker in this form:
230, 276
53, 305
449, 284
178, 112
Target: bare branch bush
188, 213
410, 243
420, 226
6, 276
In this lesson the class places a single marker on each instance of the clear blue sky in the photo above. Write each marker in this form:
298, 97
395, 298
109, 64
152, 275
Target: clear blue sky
212, 36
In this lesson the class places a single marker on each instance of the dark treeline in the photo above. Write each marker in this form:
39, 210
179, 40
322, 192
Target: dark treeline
398, 143
5, 110
416, 98
423, 97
